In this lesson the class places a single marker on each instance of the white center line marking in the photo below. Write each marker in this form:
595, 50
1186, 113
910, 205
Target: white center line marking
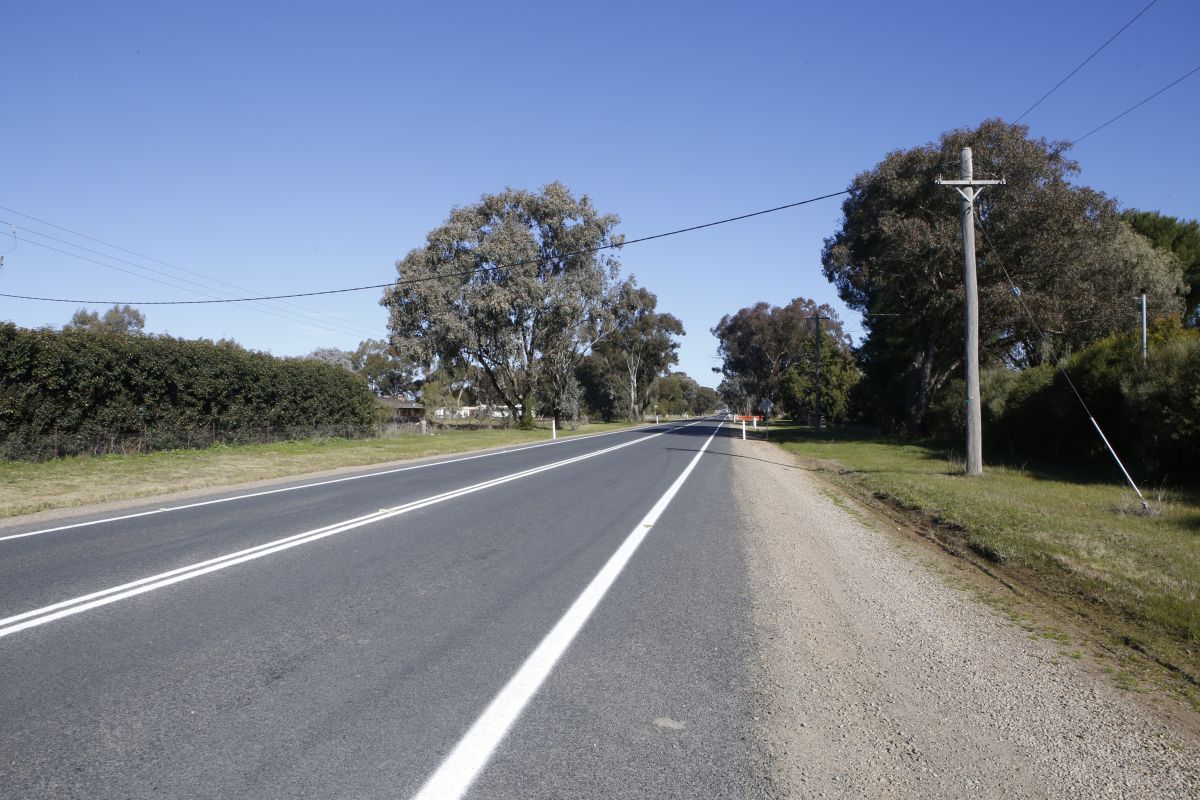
468, 758
77, 605
266, 492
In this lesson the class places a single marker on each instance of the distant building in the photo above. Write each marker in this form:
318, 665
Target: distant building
473, 412
402, 410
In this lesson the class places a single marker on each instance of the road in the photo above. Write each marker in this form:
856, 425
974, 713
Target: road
550, 621
666, 612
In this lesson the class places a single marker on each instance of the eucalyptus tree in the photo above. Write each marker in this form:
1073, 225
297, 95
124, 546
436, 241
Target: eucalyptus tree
1179, 237
897, 258
517, 284
385, 372
640, 349
118, 319
762, 344
334, 356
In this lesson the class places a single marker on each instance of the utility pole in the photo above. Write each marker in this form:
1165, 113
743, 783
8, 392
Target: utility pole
968, 189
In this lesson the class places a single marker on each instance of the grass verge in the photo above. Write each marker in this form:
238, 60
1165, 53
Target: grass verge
26, 488
1077, 539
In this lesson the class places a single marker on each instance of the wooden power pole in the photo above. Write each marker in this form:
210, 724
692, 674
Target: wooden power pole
968, 189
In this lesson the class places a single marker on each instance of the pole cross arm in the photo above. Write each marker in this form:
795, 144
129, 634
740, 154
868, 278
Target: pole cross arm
969, 188
971, 182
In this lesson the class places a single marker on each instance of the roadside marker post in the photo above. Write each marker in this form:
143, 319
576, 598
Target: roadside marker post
553, 429
743, 418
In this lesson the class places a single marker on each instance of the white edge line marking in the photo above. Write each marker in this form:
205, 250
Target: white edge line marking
459, 770
315, 484
76, 605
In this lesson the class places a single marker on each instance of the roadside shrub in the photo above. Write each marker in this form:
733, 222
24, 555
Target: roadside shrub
1150, 414
67, 392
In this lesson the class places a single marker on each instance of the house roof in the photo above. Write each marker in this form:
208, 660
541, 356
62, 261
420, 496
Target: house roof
398, 403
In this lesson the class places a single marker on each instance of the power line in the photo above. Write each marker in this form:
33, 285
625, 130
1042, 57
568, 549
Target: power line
264, 310
1083, 63
406, 281
213, 298
1136, 105
331, 326
342, 321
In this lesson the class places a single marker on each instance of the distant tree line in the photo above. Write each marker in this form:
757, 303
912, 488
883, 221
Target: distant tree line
67, 392
783, 355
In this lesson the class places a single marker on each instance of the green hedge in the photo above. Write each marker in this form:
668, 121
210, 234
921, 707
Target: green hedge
65, 392
1150, 414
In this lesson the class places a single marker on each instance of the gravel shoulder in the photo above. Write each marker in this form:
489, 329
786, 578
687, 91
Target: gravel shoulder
875, 677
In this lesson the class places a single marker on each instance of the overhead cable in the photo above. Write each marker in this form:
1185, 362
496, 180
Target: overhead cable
204, 291
311, 315
174, 281
405, 281
1083, 63
1136, 105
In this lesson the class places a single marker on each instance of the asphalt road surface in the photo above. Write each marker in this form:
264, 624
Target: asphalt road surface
564, 620
667, 612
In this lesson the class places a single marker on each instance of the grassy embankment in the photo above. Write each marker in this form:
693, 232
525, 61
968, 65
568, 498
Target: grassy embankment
1076, 539
82, 480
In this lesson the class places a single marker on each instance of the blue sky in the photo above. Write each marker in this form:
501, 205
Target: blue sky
298, 146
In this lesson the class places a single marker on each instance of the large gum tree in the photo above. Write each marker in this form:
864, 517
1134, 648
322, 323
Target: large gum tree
897, 257
517, 285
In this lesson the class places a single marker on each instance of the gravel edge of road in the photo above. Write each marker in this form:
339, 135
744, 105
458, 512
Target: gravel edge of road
875, 676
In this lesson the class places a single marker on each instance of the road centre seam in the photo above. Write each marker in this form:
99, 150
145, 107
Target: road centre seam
454, 776
65, 608
266, 492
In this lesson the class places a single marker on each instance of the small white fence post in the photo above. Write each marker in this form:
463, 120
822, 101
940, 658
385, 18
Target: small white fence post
553, 429
743, 430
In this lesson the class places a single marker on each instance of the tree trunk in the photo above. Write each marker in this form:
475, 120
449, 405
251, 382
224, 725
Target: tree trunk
526, 423
918, 389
